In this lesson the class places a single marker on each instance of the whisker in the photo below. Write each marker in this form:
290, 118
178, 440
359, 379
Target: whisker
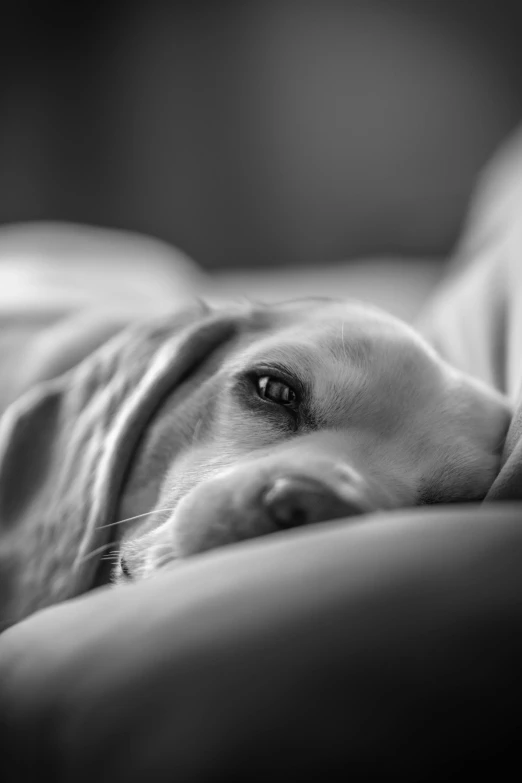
137, 516
95, 552
342, 336
111, 556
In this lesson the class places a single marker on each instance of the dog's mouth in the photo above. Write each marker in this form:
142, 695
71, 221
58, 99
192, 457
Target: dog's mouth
125, 570
139, 560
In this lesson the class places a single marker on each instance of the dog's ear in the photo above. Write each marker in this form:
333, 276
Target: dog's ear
66, 444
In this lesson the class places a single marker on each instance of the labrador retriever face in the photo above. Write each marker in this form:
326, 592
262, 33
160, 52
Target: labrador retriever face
317, 410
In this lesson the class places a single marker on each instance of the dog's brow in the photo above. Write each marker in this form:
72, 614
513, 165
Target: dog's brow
293, 361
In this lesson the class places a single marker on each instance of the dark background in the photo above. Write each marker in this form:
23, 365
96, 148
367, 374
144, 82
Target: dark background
257, 133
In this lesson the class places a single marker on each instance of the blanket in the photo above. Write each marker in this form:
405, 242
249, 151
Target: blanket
475, 318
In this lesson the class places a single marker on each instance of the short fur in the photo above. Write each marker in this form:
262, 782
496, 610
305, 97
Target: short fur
383, 422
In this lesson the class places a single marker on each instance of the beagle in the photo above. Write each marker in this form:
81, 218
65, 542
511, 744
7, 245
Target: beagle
303, 412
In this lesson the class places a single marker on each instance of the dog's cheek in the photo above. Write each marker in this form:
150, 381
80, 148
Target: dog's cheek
482, 421
243, 431
235, 435
463, 474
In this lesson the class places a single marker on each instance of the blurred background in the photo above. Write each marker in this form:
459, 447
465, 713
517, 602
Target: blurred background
258, 135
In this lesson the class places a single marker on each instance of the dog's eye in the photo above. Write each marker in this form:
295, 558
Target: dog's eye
277, 391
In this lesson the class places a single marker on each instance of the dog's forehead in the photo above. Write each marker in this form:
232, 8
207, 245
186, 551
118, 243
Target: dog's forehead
325, 314
343, 328
322, 338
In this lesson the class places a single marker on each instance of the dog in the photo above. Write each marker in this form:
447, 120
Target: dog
304, 412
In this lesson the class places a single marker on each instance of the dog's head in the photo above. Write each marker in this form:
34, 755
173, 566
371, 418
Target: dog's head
301, 413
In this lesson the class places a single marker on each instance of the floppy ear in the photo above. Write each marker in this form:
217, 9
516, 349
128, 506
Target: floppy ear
66, 445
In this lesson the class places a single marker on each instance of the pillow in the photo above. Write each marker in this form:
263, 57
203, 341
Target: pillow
391, 646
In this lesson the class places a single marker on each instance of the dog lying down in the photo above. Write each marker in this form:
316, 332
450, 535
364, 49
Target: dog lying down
311, 411
184, 434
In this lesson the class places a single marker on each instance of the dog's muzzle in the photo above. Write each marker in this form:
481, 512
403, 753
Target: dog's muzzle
238, 505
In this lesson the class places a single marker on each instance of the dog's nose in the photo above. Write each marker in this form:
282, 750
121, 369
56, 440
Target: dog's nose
292, 501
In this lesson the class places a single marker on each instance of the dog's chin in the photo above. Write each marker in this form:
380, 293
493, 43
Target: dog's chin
141, 561
466, 477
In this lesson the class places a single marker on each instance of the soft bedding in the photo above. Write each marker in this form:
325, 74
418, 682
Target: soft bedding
394, 645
